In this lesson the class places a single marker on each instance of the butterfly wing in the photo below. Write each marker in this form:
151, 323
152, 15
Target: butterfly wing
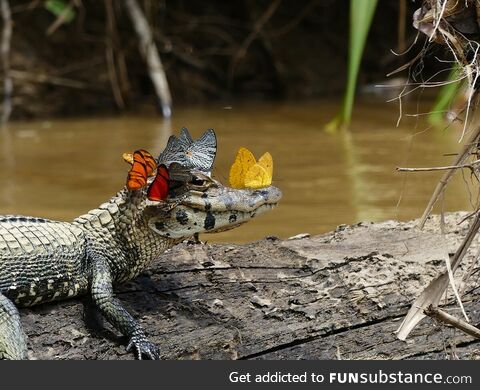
185, 140
266, 161
175, 150
172, 152
128, 158
257, 177
201, 153
149, 160
143, 165
243, 162
158, 190
198, 155
260, 174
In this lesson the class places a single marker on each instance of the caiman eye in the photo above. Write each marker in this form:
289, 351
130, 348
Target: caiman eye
198, 182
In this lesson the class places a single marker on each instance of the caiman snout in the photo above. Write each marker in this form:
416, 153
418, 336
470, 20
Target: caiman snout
219, 199
264, 196
217, 209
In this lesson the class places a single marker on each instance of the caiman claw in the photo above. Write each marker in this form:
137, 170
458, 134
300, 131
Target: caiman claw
143, 347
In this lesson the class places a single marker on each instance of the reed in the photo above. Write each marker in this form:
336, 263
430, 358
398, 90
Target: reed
361, 15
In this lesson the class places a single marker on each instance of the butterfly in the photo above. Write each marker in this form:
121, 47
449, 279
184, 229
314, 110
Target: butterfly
246, 172
143, 166
166, 179
158, 190
173, 180
198, 155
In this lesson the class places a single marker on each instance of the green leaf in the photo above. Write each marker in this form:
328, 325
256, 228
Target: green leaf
361, 15
60, 8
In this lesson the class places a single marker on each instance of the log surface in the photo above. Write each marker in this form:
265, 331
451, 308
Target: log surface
339, 295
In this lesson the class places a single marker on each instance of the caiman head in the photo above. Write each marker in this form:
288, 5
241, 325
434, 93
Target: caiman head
207, 206
197, 203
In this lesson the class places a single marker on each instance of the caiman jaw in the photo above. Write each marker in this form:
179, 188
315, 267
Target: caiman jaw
216, 209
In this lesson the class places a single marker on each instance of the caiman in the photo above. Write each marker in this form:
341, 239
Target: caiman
43, 260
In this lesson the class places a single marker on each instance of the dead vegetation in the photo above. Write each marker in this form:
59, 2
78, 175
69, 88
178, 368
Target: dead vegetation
455, 24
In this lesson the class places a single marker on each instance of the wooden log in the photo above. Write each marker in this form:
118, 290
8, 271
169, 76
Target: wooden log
337, 295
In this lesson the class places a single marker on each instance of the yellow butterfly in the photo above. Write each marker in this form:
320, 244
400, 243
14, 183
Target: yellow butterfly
246, 172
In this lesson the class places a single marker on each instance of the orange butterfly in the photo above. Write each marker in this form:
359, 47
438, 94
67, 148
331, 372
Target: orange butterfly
158, 190
143, 166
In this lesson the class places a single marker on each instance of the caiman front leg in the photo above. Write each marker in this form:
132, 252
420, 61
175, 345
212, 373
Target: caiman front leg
13, 342
111, 308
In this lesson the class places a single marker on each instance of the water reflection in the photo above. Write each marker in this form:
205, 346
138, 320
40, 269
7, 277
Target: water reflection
60, 169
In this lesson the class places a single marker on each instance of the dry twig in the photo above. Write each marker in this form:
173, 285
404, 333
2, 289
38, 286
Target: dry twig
432, 294
459, 160
444, 168
440, 315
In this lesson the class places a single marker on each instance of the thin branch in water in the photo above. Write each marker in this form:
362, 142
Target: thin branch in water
152, 58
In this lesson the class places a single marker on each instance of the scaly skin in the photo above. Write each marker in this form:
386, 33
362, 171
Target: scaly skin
43, 260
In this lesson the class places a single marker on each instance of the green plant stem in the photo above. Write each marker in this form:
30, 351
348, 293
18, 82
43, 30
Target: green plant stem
361, 15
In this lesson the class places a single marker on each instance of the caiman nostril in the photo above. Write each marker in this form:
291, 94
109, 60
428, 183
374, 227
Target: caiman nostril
270, 194
275, 194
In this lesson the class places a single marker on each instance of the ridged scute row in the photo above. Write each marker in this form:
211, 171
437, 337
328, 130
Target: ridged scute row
41, 262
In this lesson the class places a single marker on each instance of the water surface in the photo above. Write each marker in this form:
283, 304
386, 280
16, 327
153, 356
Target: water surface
60, 169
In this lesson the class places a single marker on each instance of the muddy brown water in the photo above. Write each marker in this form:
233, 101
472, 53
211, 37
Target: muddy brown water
60, 169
